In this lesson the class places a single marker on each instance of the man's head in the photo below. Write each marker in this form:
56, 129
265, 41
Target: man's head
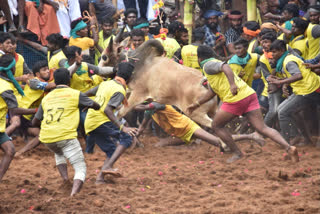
174, 27
182, 36
299, 26
204, 52
41, 70
5, 61
241, 47
56, 42
314, 13
130, 16
267, 39
82, 30
70, 53
107, 26
62, 76
125, 70
6, 44
290, 11
251, 29
143, 25
278, 47
198, 35
212, 20
235, 19
137, 37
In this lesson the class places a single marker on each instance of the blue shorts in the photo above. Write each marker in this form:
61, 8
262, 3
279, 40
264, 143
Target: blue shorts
4, 138
106, 137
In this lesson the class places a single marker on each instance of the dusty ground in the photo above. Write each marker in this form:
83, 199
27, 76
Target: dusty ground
195, 179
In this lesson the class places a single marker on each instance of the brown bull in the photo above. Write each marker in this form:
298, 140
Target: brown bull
165, 81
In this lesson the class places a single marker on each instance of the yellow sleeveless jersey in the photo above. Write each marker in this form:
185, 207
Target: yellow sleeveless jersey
106, 90
310, 81
299, 43
220, 85
53, 61
32, 99
173, 122
60, 115
82, 82
248, 69
19, 67
170, 46
313, 43
251, 45
265, 61
5, 86
190, 57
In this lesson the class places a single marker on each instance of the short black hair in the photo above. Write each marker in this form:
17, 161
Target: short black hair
136, 32
70, 52
301, 23
130, 10
278, 45
5, 36
57, 39
107, 20
182, 30
269, 36
38, 65
198, 34
174, 27
292, 9
75, 22
6, 60
252, 25
316, 7
125, 70
61, 76
235, 12
242, 42
205, 52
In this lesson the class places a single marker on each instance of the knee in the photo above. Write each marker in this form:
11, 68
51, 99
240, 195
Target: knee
10, 151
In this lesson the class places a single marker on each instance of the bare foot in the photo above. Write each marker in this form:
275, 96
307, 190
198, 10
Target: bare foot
112, 172
293, 152
234, 158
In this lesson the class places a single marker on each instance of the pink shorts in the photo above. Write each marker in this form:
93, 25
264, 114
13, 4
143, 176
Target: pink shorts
243, 106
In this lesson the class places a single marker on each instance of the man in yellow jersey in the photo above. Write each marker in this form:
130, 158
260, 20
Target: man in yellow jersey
137, 38
189, 52
182, 127
244, 63
313, 32
55, 55
8, 103
299, 40
304, 83
105, 36
34, 91
251, 30
58, 116
104, 127
237, 99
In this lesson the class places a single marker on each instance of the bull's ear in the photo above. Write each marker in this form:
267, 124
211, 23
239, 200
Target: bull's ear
110, 46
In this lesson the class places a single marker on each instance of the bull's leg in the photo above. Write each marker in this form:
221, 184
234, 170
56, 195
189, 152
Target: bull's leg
134, 99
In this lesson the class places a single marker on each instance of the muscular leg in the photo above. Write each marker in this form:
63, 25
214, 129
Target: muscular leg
256, 119
9, 151
7, 13
32, 143
14, 124
21, 5
63, 170
219, 121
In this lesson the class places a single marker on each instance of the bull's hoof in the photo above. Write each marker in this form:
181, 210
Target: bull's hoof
234, 158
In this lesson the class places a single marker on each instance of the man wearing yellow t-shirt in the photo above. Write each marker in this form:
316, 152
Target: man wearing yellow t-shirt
103, 126
8, 103
305, 85
237, 99
58, 116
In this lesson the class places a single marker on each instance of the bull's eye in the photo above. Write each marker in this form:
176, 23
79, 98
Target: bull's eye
104, 57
